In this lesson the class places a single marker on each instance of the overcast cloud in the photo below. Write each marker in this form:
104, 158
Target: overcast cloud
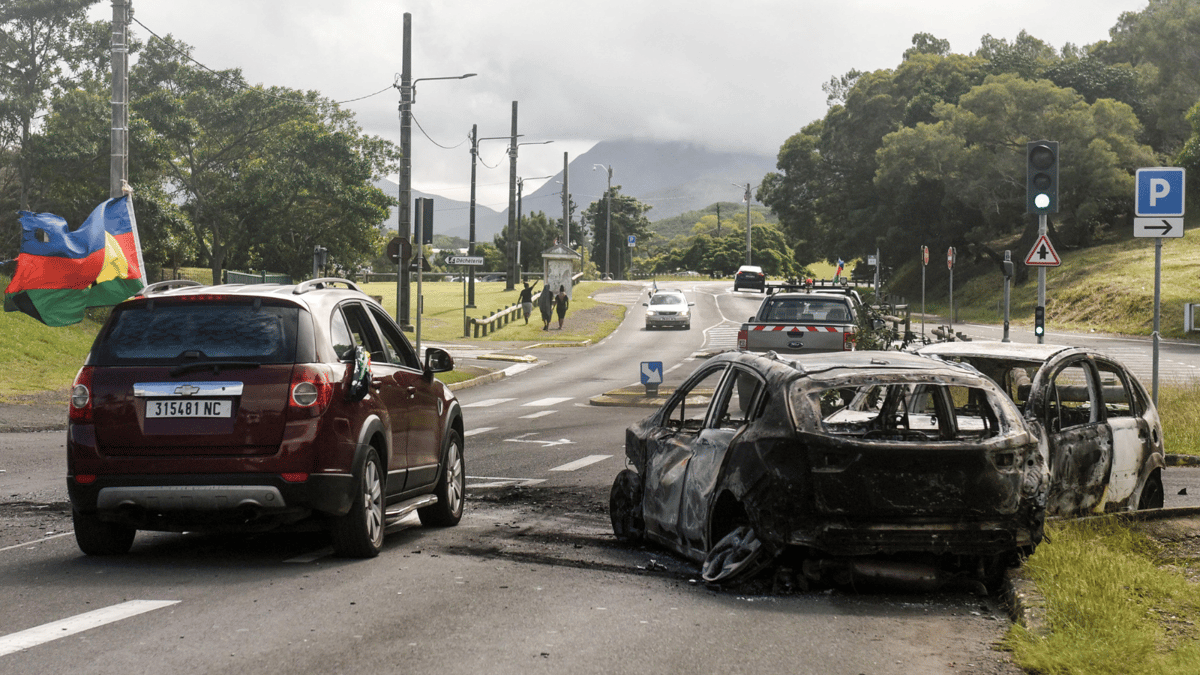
731, 76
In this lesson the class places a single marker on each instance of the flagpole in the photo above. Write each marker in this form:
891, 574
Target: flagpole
119, 138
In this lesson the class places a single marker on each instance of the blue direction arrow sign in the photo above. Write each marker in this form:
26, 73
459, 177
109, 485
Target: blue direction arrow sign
652, 372
1159, 192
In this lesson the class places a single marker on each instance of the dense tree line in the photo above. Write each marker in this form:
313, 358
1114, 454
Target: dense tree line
933, 151
225, 174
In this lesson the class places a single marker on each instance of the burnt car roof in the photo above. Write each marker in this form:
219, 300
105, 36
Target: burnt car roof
1000, 350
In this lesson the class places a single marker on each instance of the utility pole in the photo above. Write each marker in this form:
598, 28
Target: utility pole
566, 202
404, 226
119, 138
607, 217
471, 243
512, 204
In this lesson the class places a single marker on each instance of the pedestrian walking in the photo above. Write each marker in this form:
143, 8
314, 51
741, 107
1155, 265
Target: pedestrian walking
560, 304
546, 305
526, 299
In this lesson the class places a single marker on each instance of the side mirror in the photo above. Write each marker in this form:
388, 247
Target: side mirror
360, 375
645, 304
437, 361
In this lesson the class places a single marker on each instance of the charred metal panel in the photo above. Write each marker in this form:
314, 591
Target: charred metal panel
1080, 463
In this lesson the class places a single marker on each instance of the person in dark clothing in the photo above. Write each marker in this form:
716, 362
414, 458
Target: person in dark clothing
526, 299
546, 305
560, 304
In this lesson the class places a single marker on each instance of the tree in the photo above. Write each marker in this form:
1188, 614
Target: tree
628, 218
264, 174
42, 43
538, 233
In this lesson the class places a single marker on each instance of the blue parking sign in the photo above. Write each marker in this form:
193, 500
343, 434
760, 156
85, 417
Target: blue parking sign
1159, 192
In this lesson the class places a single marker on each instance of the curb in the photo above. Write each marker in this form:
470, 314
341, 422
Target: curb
477, 381
1181, 460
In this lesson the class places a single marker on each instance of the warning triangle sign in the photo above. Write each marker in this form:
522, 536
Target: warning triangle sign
1043, 254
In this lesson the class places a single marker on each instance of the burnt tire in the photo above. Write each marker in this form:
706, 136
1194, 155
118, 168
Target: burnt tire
451, 488
1152, 492
359, 533
738, 555
625, 506
98, 537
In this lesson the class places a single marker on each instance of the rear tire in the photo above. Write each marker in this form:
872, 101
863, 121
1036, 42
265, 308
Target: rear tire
1152, 492
451, 488
97, 537
359, 533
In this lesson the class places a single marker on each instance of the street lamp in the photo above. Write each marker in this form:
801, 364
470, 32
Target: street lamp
408, 90
747, 200
471, 244
520, 188
607, 217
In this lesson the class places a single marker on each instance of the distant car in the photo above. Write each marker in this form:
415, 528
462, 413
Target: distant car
1100, 432
838, 465
254, 407
668, 308
750, 276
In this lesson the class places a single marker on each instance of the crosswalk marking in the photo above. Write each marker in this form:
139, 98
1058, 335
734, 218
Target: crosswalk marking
477, 430
540, 413
544, 402
33, 637
580, 463
487, 403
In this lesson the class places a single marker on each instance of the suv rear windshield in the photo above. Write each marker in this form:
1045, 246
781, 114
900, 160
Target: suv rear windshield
165, 333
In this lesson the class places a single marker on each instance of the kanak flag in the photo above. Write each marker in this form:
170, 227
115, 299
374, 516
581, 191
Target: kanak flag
838, 274
97, 265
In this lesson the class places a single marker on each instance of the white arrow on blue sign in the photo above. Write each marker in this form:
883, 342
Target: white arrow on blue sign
1159, 192
652, 372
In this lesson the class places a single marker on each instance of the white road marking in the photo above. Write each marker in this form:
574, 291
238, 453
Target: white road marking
488, 403
36, 541
540, 413
33, 637
502, 482
580, 463
477, 430
544, 402
544, 444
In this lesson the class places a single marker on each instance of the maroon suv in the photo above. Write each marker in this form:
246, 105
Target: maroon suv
248, 408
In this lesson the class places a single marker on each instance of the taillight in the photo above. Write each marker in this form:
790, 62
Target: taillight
80, 409
742, 338
848, 341
310, 391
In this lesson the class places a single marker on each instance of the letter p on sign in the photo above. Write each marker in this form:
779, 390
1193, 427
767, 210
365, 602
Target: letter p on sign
1159, 192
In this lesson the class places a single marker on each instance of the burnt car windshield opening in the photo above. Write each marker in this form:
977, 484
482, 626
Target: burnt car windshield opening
795, 309
914, 412
161, 333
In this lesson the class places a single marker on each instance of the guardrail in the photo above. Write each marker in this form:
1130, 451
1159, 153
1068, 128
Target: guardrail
896, 320
498, 319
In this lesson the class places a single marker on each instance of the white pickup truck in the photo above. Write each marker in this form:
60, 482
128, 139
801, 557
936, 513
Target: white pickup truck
802, 322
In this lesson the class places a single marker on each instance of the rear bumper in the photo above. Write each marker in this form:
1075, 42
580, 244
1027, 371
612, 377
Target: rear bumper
215, 501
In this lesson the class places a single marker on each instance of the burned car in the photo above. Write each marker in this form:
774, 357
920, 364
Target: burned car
1101, 437
840, 466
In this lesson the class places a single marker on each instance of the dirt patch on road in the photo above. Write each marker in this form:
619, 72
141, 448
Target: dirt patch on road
42, 411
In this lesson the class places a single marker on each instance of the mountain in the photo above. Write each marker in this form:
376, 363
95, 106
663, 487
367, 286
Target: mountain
672, 177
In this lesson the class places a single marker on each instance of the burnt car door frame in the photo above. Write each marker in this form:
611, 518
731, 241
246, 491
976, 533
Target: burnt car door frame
684, 464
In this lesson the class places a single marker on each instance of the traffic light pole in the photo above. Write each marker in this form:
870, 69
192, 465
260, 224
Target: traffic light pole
1041, 338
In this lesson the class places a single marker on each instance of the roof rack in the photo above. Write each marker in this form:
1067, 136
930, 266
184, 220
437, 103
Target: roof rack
326, 282
170, 284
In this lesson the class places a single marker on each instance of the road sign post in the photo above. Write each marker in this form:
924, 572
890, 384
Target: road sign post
924, 264
471, 261
652, 376
1158, 205
950, 266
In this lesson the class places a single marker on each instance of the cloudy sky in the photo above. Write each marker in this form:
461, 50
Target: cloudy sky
729, 75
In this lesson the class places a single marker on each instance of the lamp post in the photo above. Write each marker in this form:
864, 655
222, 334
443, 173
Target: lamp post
408, 90
520, 188
747, 200
471, 244
607, 217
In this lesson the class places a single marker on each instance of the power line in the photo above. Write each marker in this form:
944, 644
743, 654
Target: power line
264, 93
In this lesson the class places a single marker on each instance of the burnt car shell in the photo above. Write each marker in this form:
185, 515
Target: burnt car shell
1099, 431
803, 479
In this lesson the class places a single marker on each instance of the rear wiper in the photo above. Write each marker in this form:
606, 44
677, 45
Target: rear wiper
216, 366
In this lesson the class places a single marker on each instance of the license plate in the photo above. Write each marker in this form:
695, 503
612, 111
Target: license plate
189, 408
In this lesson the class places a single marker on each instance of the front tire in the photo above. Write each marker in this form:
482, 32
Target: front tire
359, 533
451, 488
625, 506
98, 537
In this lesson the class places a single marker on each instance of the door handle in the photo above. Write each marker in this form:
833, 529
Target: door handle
412, 392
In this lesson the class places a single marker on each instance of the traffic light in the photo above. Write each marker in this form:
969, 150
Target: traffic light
1039, 321
1041, 177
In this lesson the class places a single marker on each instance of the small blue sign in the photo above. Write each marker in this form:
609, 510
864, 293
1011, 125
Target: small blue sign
1159, 192
632, 240
652, 372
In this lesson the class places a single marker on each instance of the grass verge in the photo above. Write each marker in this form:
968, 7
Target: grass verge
1116, 602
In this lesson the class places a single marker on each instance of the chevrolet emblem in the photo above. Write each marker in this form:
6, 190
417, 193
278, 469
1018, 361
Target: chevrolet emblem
186, 389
